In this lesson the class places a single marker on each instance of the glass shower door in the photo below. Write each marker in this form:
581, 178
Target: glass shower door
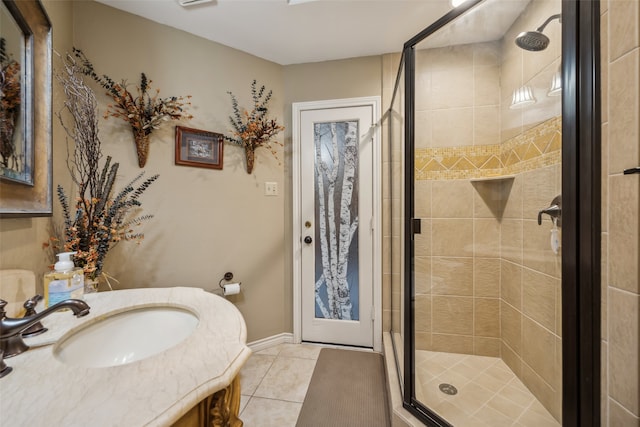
393, 228
485, 167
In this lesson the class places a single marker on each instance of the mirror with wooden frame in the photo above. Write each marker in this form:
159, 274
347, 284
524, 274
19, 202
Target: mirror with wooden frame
25, 109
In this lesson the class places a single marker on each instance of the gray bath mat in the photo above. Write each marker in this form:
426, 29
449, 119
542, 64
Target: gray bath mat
347, 389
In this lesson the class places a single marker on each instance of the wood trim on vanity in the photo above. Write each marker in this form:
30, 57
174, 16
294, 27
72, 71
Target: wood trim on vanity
221, 409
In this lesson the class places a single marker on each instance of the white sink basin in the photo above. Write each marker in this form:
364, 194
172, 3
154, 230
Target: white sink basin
126, 337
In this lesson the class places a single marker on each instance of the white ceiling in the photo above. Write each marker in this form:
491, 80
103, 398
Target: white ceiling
322, 30
286, 34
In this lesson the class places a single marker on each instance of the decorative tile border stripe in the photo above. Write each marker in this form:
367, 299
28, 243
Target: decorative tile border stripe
537, 147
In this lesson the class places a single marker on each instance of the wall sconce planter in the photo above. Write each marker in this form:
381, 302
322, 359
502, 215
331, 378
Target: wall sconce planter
144, 112
252, 129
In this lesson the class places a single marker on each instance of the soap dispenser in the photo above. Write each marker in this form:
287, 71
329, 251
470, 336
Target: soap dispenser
65, 282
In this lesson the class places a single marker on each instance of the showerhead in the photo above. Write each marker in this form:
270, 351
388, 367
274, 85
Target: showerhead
534, 40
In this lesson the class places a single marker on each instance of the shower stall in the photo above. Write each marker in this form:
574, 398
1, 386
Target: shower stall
476, 217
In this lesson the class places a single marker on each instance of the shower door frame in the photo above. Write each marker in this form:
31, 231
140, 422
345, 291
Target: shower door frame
581, 192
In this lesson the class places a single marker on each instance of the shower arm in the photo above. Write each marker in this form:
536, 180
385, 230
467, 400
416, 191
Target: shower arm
549, 19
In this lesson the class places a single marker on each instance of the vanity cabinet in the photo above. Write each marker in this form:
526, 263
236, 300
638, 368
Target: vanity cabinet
193, 383
218, 410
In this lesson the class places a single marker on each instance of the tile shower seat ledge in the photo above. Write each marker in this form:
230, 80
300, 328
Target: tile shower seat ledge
156, 391
497, 178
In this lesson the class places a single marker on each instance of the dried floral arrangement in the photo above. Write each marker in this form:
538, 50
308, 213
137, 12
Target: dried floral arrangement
99, 218
253, 129
10, 101
144, 112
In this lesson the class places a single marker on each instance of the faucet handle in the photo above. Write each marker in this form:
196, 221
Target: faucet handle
554, 211
3, 304
31, 303
37, 328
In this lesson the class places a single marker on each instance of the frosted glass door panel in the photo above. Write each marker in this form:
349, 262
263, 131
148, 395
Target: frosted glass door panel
336, 230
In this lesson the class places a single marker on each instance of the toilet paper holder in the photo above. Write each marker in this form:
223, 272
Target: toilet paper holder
228, 276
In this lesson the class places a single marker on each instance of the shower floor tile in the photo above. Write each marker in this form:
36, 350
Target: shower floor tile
489, 393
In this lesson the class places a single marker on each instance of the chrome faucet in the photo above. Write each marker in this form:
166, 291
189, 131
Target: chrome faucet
11, 329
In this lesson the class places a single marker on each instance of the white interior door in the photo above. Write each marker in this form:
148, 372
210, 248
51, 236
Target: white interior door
337, 257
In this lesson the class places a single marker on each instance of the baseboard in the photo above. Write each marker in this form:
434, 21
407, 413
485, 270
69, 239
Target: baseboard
272, 341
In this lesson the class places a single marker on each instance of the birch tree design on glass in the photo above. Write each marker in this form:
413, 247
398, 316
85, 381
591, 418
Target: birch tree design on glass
336, 209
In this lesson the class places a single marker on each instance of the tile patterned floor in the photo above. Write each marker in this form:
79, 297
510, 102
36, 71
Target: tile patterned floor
273, 384
489, 393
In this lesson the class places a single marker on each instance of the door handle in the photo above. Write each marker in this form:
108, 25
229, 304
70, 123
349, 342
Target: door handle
308, 239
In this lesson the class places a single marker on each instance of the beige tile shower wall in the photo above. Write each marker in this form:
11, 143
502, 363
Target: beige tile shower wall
504, 299
457, 95
457, 272
457, 109
533, 69
473, 252
530, 274
530, 287
536, 148
620, 56
487, 281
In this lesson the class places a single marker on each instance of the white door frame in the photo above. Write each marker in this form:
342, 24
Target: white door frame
375, 134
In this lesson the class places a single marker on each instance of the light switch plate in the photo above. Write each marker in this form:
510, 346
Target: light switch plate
270, 188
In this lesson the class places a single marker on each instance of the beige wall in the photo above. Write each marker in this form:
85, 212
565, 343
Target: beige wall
348, 78
206, 221
620, 47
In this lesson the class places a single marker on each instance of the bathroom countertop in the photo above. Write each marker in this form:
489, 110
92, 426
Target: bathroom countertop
156, 391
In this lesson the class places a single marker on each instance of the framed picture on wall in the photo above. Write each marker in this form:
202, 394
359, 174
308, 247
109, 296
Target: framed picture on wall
198, 148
